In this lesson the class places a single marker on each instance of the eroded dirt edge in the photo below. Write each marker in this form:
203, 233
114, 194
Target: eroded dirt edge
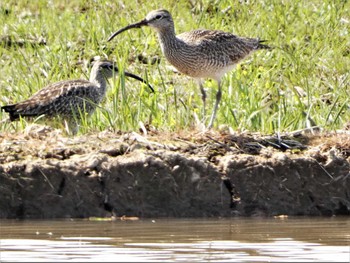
188, 174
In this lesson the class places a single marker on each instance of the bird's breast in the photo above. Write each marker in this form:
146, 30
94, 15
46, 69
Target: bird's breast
199, 64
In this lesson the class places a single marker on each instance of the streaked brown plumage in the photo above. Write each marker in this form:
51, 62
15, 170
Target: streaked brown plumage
69, 98
199, 53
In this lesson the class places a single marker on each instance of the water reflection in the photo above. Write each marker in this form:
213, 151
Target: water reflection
231, 240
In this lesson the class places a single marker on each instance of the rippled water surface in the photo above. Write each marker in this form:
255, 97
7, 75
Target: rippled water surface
216, 240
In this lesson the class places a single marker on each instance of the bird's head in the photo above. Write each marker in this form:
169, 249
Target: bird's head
108, 69
158, 19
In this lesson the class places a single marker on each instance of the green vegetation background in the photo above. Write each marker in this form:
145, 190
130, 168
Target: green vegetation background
303, 81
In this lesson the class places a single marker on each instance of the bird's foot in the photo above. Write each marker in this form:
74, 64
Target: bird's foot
200, 124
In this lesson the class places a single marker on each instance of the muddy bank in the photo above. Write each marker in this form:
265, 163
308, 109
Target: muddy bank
47, 175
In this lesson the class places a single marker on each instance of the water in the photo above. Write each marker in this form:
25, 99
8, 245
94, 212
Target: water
165, 240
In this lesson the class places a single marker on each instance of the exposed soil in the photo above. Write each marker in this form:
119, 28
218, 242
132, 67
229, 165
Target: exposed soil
45, 174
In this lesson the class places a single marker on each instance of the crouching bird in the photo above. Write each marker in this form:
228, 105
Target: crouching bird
69, 99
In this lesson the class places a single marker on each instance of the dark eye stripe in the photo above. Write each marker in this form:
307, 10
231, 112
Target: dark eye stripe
110, 67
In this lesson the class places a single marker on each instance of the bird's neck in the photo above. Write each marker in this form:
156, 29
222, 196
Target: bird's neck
99, 80
168, 39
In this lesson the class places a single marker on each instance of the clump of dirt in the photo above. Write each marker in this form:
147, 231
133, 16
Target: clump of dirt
45, 174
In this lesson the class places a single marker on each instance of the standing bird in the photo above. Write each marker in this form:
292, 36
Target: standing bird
199, 53
69, 98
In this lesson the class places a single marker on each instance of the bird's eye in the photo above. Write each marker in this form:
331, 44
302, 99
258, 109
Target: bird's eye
158, 17
109, 67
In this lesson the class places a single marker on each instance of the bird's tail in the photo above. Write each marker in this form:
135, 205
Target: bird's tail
11, 109
263, 46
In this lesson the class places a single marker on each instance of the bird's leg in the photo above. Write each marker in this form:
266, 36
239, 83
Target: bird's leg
204, 97
216, 106
71, 126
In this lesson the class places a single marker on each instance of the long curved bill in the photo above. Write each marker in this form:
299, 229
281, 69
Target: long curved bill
136, 25
127, 74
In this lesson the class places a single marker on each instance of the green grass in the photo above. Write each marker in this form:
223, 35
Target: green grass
305, 76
